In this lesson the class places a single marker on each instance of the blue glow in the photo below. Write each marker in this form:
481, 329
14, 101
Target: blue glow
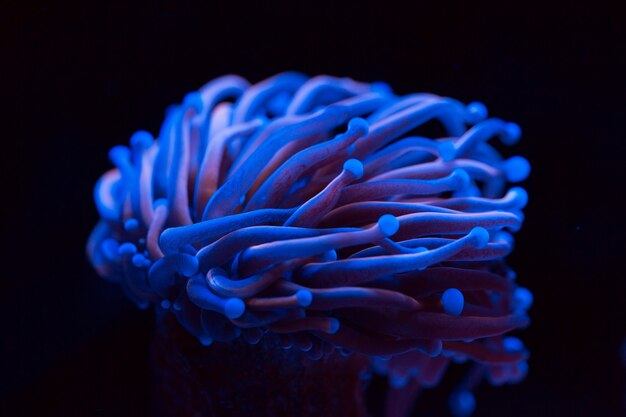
310, 214
462, 404
234, 308
388, 224
131, 225
127, 249
517, 169
477, 112
453, 301
512, 344
355, 167
522, 298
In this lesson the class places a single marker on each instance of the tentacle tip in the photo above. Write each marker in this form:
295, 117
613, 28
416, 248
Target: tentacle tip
453, 301
193, 100
388, 224
504, 237
512, 133
354, 167
127, 249
447, 150
167, 238
397, 381
118, 153
420, 249
131, 225
279, 103
462, 403
160, 202
139, 260
521, 197
434, 350
358, 125
461, 178
476, 112
141, 139
165, 304
234, 308
334, 326
110, 248
382, 88
522, 299
517, 169
512, 344
304, 297
481, 236
330, 256
205, 341
191, 266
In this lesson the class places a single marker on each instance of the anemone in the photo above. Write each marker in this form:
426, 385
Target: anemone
314, 214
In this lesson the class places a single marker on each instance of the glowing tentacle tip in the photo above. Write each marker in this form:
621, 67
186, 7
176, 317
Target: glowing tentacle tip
358, 124
205, 341
522, 299
127, 249
141, 140
447, 151
334, 326
131, 225
160, 202
110, 248
118, 153
453, 301
304, 297
193, 100
461, 178
234, 308
166, 304
481, 237
476, 112
388, 224
521, 196
462, 403
512, 344
354, 167
517, 169
139, 260
330, 256
382, 88
512, 133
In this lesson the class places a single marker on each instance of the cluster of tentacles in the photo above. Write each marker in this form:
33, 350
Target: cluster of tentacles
311, 212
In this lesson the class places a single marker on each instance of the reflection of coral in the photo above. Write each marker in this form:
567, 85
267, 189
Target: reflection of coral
241, 379
304, 212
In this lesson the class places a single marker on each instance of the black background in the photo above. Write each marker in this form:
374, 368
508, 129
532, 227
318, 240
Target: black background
80, 78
